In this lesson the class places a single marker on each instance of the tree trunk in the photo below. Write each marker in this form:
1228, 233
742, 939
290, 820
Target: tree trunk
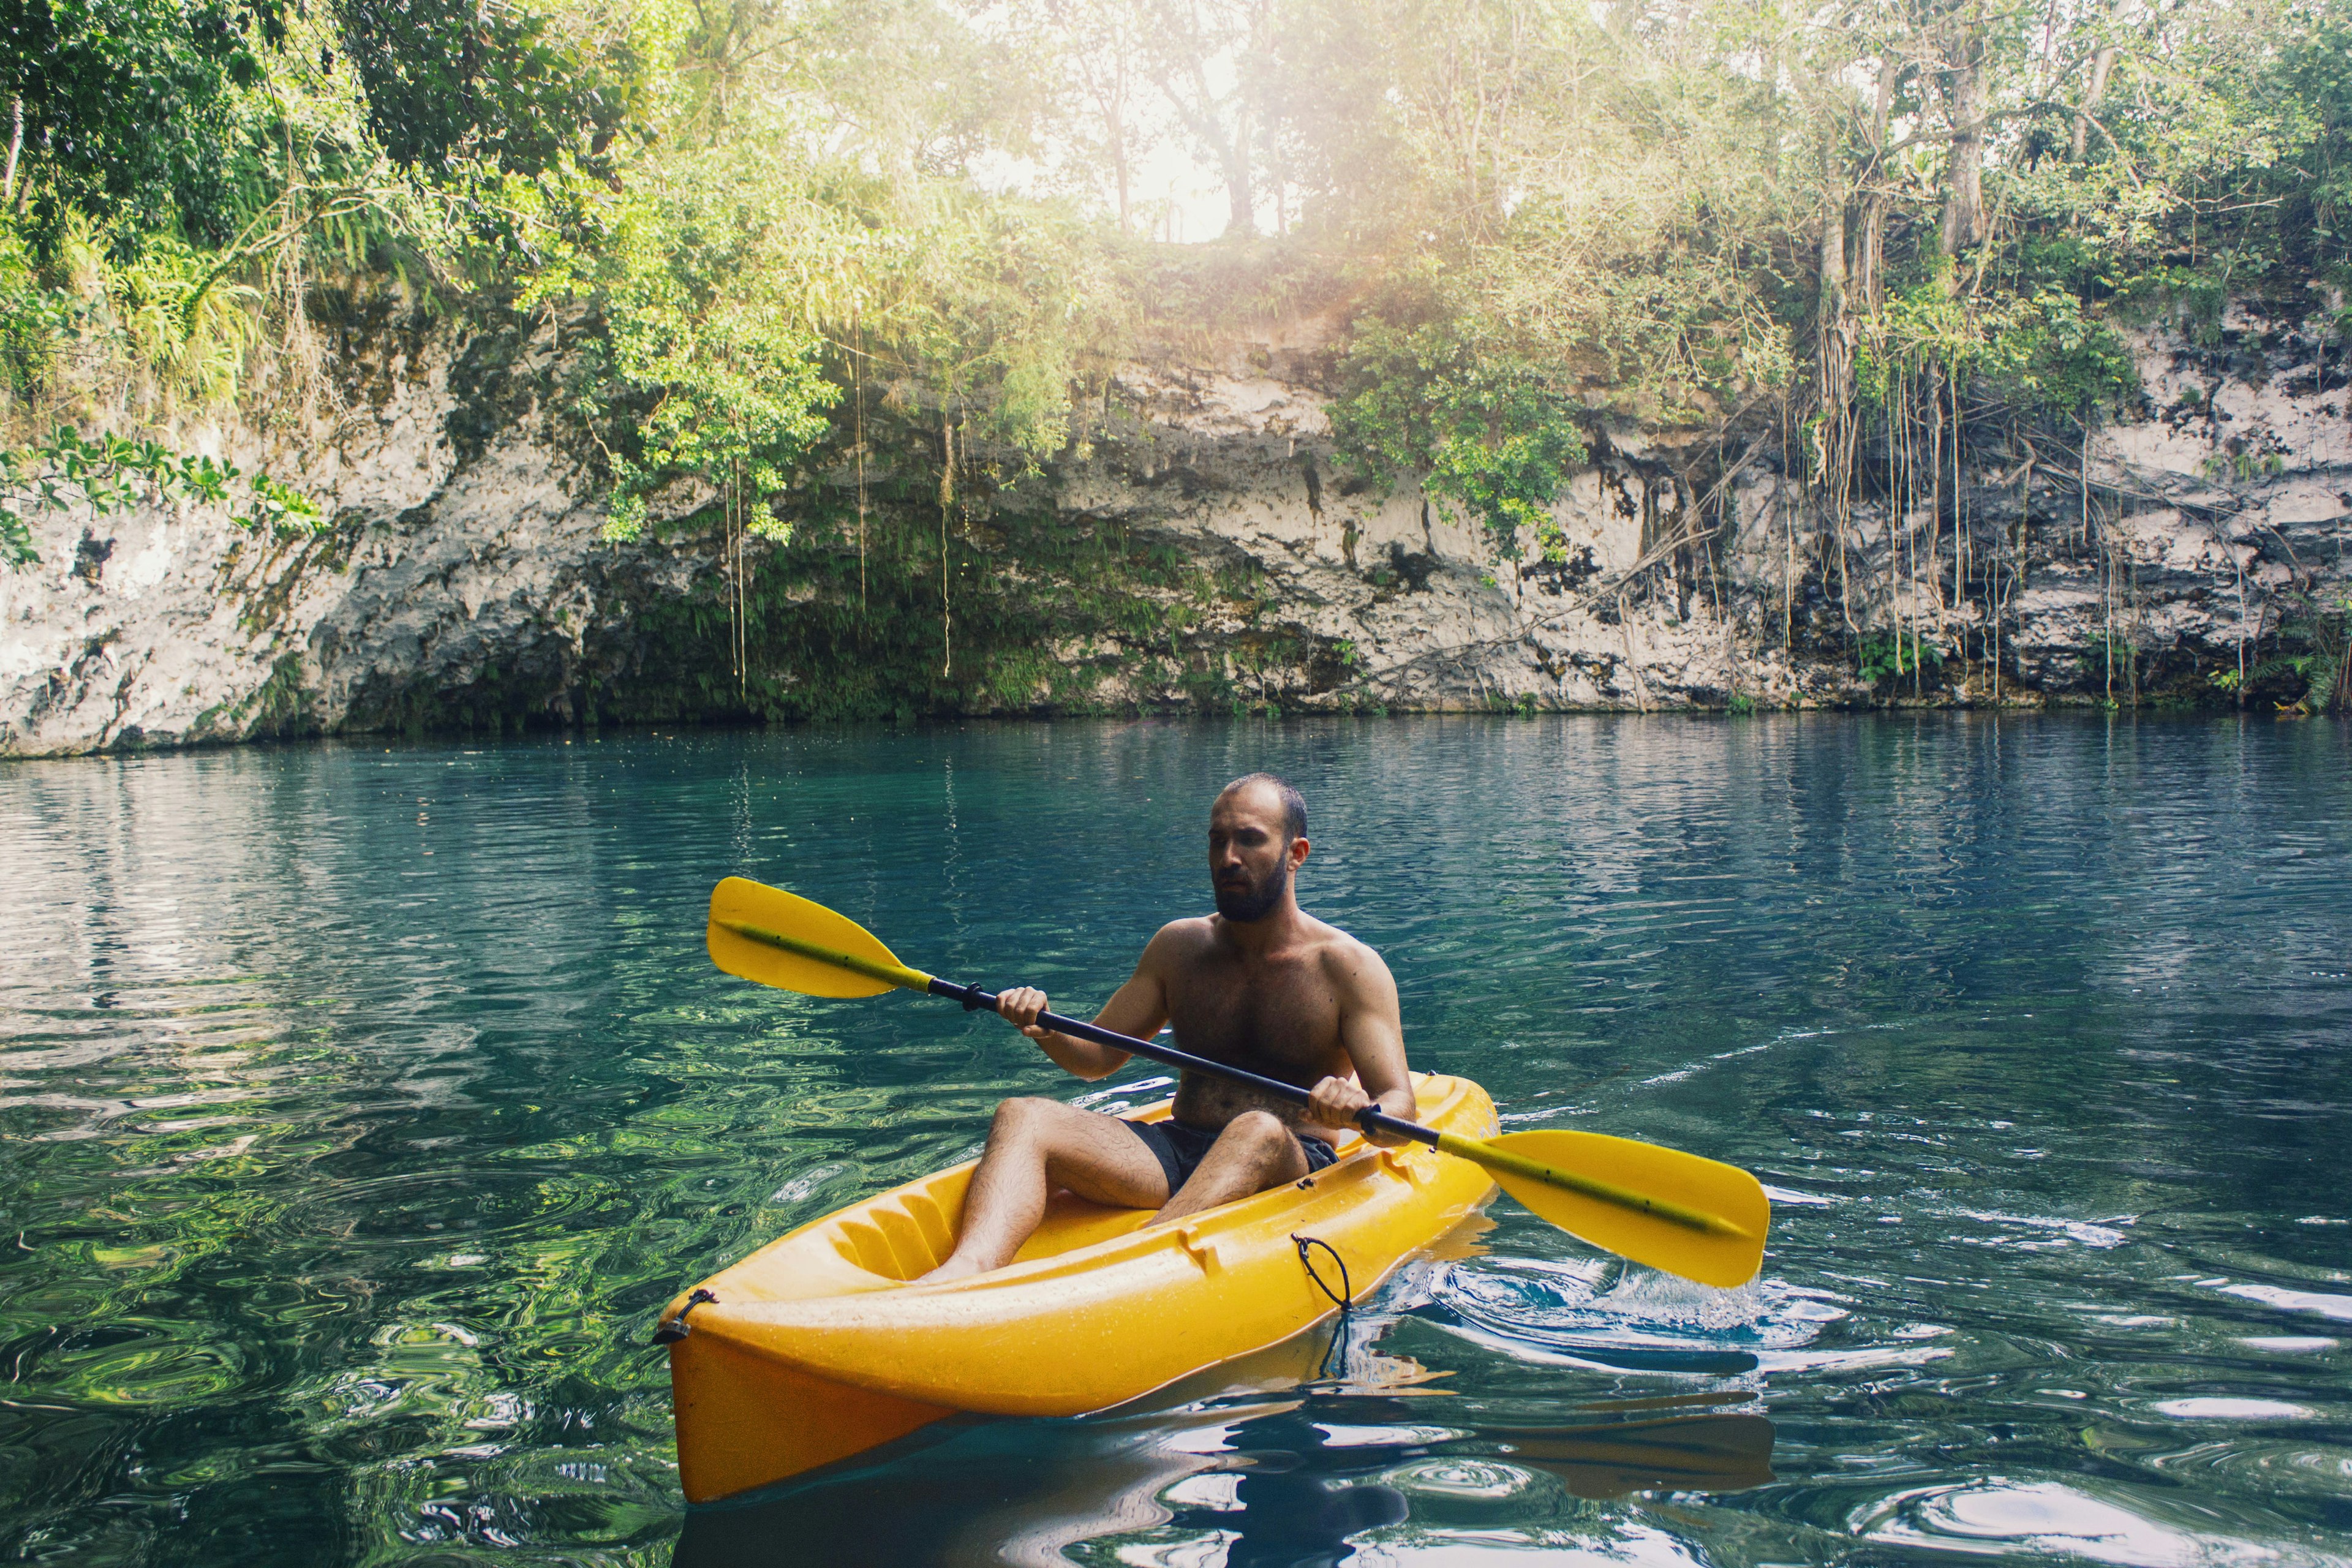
1964, 195
1834, 333
2102, 64
1890, 76
1865, 284
1110, 99
1233, 158
1205, 118
1118, 170
1833, 339
1866, 280
1833, 251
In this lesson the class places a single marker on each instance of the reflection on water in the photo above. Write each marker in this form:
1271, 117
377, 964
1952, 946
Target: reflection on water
1303, 1470
358, 1107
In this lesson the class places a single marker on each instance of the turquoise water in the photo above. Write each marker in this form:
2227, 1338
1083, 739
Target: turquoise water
358, 1108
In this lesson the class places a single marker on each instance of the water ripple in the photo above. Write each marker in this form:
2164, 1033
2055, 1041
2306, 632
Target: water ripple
358, 1104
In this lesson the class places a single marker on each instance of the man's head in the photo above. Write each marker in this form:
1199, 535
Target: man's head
1257, 837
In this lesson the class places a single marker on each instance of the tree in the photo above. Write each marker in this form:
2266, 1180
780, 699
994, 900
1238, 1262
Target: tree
1097, 48
131, 105
1208, 59
451, 79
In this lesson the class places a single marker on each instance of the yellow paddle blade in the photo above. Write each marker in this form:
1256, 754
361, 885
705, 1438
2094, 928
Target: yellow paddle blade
1689, 1215
780, 939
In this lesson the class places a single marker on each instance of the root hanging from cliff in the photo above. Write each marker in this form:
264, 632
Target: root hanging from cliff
857, 384
946, 504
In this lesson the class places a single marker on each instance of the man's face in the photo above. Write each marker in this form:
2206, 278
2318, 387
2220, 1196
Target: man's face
1250, 862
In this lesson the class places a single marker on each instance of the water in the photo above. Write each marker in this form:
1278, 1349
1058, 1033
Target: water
358, 1107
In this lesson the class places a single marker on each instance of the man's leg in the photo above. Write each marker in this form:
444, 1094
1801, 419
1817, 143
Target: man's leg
1253, 1153
1034, 1146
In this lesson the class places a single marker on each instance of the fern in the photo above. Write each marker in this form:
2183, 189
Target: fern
2314, 643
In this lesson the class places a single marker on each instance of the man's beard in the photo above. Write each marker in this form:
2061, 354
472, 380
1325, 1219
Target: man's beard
1248, 904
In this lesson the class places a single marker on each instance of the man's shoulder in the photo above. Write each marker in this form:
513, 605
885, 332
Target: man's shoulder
1181, 938
1346, 959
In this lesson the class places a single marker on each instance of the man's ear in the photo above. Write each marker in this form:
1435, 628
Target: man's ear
1298, 852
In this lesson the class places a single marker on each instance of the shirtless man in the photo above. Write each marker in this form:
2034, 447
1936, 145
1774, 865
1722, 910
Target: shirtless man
1260, 984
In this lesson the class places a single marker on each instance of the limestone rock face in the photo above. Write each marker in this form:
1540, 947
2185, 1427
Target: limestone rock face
455, 552
2236, 490
464, 560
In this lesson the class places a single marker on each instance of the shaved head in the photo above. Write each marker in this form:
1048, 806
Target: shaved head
1293, 804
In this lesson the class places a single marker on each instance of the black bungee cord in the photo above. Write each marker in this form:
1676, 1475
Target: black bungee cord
1344, 1297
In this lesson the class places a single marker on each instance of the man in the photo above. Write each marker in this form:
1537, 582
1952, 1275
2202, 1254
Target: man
1260, 984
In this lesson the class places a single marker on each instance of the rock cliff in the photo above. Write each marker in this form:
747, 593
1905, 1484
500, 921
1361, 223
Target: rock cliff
1228, 559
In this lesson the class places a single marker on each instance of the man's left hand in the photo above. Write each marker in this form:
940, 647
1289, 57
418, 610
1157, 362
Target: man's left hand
1335, 1102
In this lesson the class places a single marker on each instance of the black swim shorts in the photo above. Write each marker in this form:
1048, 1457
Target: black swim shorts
1180, 1148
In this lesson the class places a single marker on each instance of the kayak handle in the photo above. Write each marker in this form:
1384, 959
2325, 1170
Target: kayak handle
1371, 1119
677, 1327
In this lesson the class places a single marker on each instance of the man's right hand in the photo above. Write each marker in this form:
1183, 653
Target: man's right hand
1021, 1006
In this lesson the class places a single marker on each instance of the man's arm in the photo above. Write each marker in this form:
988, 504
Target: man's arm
1138, 1008
1371, 1029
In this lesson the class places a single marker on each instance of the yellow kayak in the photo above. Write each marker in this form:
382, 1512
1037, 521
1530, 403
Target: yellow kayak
814, 1348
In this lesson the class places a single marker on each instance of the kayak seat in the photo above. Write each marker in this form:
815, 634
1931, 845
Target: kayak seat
910, 1233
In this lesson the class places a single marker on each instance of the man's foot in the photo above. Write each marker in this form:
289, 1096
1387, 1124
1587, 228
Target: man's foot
1036, 1146
953, 1269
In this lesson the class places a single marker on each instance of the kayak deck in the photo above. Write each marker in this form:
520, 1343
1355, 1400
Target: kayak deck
814, 1347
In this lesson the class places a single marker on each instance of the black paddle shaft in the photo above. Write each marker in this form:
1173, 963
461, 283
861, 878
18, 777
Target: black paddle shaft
1370, 1119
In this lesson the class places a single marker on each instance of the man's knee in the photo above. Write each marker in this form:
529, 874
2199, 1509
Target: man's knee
1021, 1118
1260, 1132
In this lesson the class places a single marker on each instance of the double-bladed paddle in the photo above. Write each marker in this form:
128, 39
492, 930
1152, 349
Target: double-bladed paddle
1687, 1215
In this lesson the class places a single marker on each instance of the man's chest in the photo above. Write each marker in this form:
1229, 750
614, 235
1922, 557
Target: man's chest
1277, 1012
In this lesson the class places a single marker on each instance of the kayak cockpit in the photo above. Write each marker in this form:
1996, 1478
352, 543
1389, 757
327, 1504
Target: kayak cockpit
907, 1232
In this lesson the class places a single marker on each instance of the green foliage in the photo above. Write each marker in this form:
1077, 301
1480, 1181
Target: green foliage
1001, 306
709, 364
279, 509
2105, 654
449, 82
2040, 354
1048, 612
1482, 430
2242, 465
2315, 649
108, 475
132, 104
182, 170
1890, 655
38, 322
